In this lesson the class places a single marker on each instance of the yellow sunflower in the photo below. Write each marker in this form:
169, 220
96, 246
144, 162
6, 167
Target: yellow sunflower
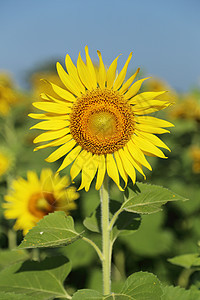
8, 96
99, 122
30, 200
6, 161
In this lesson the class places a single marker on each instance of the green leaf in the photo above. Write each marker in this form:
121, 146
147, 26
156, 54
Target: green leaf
148, 199
177, 293
42, 280
93, 222
8, 257
142, 286
187, 260
87, 295
13, 296
53, 230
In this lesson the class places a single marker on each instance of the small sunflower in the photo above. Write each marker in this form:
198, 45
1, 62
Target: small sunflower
6, 161
8, 96
30, 200
100, 123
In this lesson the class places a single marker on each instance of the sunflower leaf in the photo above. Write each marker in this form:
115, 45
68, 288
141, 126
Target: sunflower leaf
171, 292
55, 229
186, 260
148, 199
40, 280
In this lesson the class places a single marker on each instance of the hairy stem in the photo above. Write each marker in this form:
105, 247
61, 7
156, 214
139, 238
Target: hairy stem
106, 244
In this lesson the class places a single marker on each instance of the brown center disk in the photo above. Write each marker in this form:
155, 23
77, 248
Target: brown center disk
40, 204
101, 121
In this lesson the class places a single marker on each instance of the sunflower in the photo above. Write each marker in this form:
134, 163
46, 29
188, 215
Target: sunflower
8, 96
30, 200
100, 123
6, 161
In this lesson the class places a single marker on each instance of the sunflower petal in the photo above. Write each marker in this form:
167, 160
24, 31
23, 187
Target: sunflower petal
101, 172
120, 78
61, 151
67, 80
150, 129
152, 121
111, 73
61, 92
72, 71
52, 107
57, 142
128, 167
84, 74
51, 125
135, 164
126, 85
48, 116
88, 172
70, 157
121, 168
50, 98
134, 88
51, 135
79, 162
153, 139
146, 96
138, 155
147, 146
101, 71
91, 69
112, 170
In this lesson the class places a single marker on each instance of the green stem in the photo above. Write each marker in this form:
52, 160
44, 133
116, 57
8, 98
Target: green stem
106, 244
12, 239
94, 246
114, 218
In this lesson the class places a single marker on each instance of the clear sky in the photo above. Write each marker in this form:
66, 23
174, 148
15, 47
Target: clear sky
164, 35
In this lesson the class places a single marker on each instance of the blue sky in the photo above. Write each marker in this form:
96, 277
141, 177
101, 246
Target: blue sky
164, 35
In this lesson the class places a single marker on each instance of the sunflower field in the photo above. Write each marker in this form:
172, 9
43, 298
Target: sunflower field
99, 185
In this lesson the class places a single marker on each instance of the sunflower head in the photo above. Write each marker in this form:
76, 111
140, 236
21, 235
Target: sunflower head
99, 122
30, 200
6, 161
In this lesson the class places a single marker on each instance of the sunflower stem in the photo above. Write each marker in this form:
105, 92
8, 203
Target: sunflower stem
106, 244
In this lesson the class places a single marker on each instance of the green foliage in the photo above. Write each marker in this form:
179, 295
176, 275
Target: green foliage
176, 293
53, 230
186, 260
42, 280
148, 199
8, 257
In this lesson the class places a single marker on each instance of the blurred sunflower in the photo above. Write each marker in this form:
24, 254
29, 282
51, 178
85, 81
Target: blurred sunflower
195, 154
188, 107
30, 200
6, 161
100, 123
8, 96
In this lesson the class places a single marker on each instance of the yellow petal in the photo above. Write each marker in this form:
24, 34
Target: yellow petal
126, 85
101, 171
147, 146
84, 74
143, 105
134, 88
146, 96
67, 80
111, 73
146, 109
50, 98
101, 71
137, 154
90, 68
88, 172
57, 142
61, 92
72, 70
61, 151
52, 107
121, 167
51, 135
51, 125
70, 157
83, 157
120, 78
135, 164
130, 170
152, 121
48, 116
150, 129
112, 170
153, 139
